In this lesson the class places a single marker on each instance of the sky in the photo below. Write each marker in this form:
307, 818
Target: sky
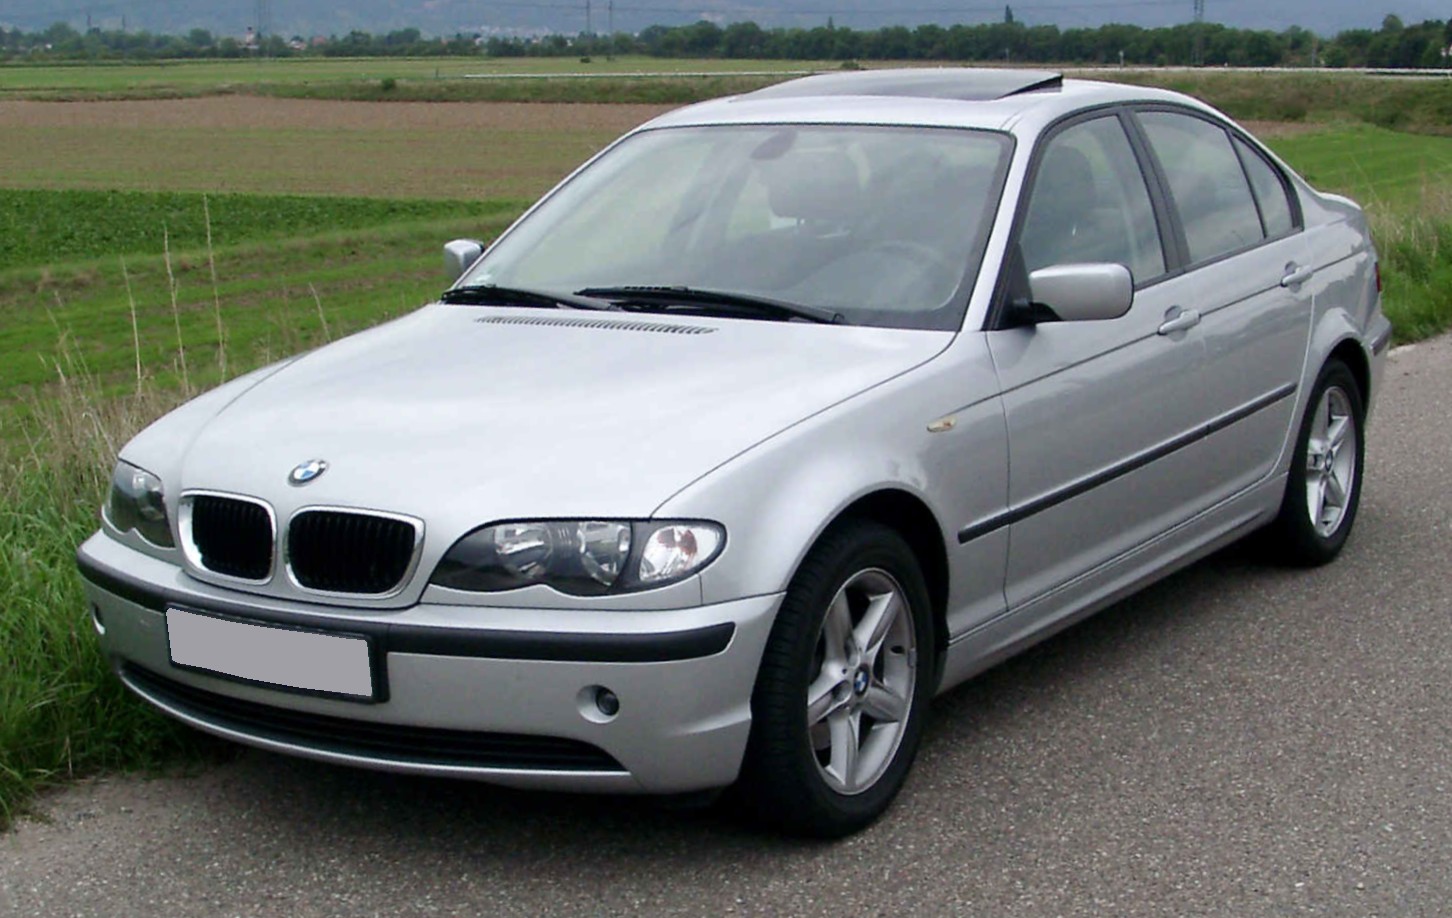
447, 16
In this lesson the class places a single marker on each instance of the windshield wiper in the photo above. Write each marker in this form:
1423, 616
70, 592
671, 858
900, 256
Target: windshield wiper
739, 303
495, 295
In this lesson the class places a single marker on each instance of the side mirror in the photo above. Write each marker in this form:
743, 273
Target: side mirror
459, 256
1083, 293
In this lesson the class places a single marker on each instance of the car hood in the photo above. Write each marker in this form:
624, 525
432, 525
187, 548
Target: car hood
462, 415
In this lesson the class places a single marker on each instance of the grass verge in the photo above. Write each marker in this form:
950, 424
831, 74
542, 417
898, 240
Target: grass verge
62, 713
1418, 106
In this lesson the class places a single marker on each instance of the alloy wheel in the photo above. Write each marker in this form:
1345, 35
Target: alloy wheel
865, 667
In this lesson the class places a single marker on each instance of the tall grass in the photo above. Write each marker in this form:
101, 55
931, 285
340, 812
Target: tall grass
1416, 259
61, 711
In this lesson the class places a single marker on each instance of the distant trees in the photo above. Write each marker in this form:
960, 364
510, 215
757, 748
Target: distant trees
1394, 45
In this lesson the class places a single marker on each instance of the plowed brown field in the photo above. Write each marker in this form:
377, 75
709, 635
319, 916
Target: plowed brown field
293, 146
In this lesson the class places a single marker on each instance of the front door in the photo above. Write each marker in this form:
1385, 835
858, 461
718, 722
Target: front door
1103, 417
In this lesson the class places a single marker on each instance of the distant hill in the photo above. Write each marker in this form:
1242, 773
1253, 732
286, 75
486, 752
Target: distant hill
446, 17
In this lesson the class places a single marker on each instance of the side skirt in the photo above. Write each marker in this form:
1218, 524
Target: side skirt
1021, 627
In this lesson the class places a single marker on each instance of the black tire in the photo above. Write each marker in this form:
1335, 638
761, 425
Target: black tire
1292, 537
784, 782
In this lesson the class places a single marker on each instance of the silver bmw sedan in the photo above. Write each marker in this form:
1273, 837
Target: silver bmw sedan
783, 414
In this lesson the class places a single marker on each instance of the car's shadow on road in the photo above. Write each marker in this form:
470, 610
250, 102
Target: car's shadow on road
973, 753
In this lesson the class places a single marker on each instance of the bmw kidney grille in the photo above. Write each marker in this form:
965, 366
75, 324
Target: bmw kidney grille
327, 550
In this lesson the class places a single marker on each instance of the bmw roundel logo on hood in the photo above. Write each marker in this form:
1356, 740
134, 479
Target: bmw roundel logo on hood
307, 472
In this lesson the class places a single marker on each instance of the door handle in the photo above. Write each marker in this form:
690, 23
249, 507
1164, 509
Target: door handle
1296, 275
1177, 320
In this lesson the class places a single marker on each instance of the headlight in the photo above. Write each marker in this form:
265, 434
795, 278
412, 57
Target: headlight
580, 557
136, 502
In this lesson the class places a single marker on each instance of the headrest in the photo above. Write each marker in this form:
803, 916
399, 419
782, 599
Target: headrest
1066, 181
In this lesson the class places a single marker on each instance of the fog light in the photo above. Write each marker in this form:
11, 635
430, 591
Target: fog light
97, 620
607, 701
597, 704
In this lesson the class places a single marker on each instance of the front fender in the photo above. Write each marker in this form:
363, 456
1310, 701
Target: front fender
776, 499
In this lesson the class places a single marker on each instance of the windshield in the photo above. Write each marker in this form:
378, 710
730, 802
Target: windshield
885, 225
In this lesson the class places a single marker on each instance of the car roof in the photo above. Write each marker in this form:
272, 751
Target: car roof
1022, 101
961, 83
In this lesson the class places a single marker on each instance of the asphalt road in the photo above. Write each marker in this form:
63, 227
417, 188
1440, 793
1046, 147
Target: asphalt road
1239, 740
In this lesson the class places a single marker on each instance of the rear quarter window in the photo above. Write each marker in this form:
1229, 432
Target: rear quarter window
1270, 191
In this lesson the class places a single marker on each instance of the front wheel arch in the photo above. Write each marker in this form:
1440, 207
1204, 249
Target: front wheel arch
911, 519
785, 781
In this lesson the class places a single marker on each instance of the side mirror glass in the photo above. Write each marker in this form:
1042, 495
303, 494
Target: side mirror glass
459, 256
1083, 293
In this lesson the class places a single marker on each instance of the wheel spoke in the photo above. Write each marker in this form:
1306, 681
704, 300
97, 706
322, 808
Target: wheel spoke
1322, 420
823, 695
837, 629
1335, 490
844, 726
1337, 430
1315, 497
882, 611
883, 704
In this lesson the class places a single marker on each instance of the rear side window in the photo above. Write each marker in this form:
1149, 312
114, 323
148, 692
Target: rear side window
1270, 192
1207, 183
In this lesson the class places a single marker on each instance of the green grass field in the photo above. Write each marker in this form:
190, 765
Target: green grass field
1385, 171
44, 227
325, 218
160, 78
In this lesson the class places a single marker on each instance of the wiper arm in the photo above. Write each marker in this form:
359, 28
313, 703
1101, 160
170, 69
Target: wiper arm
666, 296
495, 295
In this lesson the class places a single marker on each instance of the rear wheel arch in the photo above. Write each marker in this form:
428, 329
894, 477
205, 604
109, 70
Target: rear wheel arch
1327, 467
1350, 353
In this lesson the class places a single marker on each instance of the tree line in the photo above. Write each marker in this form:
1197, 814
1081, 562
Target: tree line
1394, 45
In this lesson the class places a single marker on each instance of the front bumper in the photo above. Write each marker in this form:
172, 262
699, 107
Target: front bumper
501, 695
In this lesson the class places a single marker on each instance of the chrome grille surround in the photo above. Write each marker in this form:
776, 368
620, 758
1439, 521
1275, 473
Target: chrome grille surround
243, 511
347, 528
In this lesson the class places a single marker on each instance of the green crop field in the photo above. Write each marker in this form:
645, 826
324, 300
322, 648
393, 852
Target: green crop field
326, 217
42, 227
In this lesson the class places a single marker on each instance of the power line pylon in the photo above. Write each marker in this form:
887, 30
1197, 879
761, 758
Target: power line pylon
1197, 55
264, 20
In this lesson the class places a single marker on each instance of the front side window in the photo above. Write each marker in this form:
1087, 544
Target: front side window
1207, 183
1090, 204
882, 224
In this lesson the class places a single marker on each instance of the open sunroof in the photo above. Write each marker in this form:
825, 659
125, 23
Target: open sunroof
964, 84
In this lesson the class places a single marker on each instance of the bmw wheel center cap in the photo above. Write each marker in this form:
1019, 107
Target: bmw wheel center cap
307, 472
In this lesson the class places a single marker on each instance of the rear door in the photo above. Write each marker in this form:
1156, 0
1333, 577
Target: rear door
1246, 258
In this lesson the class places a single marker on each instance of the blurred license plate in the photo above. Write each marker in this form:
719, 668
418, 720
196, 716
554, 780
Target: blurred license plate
308, 661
